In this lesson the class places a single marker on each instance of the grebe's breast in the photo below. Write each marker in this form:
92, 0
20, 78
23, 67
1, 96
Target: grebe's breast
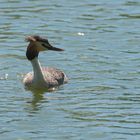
52, 78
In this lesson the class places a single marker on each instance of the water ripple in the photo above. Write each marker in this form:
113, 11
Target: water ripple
101, 59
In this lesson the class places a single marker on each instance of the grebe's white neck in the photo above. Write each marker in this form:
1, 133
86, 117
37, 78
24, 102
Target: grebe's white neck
37, 70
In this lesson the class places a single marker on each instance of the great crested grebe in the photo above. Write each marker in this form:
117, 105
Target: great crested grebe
47, 78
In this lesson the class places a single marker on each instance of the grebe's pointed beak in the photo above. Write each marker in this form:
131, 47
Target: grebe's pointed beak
50, 47
55, 49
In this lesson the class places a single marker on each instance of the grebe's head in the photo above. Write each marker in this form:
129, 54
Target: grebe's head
41, 44
38, 44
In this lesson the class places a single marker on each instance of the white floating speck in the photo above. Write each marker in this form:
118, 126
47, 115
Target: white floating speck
82, 34
6, 76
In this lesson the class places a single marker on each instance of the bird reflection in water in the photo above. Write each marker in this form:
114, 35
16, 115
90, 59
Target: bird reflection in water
36, 101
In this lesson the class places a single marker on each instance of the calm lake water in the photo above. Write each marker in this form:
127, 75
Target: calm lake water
101, 58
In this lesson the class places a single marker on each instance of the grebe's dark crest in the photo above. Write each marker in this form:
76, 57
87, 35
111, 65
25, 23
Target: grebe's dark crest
42, 77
